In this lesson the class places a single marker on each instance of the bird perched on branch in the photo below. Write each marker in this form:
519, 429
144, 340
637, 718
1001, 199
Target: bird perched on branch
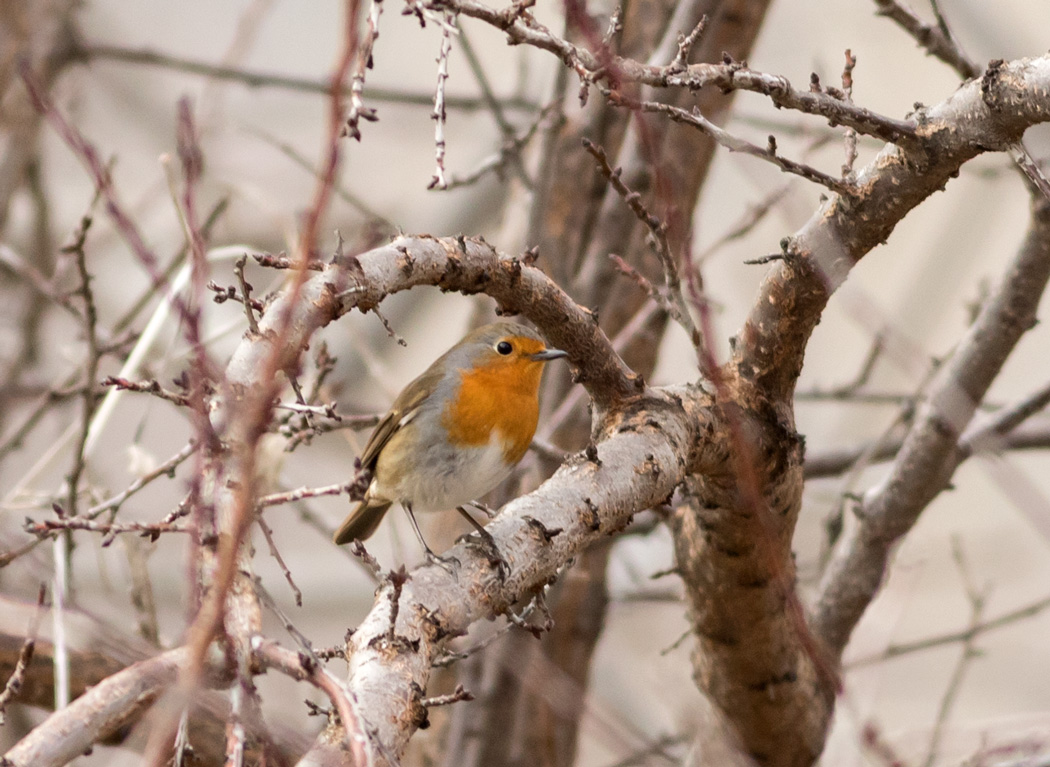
455, 432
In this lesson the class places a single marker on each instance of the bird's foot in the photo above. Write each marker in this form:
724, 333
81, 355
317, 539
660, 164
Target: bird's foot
487, 545
448, 563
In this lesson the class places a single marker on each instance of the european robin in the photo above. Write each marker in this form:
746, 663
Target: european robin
456, 431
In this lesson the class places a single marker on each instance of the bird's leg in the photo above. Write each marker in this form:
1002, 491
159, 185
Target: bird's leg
448, 564
488, 543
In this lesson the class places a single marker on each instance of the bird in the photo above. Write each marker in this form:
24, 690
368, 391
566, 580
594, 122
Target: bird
454, 433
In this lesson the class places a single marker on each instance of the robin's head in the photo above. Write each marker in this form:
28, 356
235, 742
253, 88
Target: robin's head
497, 371
506, 354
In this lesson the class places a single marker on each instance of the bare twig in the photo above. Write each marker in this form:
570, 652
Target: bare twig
108, 529
25, 655
972, 631
751, 217
166, 468
277, 657
439, 115
850, 136
283, 262
76, 248
377, 219
456, 696
276, 80
246, 291
673, 302
733, 143
977, 599
358, 111
268, 534
276, 499
147, 387
932, 38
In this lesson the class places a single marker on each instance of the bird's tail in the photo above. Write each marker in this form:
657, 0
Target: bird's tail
362, 522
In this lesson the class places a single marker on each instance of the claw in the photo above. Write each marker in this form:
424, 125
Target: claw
487, 543
449, 564
488, 547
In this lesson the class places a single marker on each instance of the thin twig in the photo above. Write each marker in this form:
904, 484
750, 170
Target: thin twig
147, 387
456, 696
733, 143
850, 136
166, 468
295, 666
268, 534
752, 216
276, 499
673, 301
972, 631
439, 115
246, 292
977, 599
254, 79
108, 529
932, 38
357, 203
25, 656
358, 111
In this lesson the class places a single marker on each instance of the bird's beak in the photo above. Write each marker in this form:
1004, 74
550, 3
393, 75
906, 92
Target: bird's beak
548, 354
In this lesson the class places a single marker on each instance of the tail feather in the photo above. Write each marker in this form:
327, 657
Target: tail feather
362, 522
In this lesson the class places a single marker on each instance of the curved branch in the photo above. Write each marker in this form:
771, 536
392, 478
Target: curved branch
461, 264
982, 115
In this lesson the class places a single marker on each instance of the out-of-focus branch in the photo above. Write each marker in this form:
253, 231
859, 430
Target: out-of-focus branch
931, 451
100, 52
98, 652
831, 463
98, 713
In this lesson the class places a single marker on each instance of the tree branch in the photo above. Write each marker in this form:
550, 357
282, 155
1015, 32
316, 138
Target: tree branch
931, 452
985, 115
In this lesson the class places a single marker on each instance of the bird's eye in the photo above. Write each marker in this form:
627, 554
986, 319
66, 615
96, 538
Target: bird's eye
504, 348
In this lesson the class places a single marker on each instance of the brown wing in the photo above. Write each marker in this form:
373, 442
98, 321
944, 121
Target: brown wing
361, 522
365, 517
401, 412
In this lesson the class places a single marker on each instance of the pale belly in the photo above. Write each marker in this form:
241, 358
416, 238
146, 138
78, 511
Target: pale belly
441, 477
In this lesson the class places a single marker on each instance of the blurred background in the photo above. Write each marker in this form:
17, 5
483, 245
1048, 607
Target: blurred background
915, 296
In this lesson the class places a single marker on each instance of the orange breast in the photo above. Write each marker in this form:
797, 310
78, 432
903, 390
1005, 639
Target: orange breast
501, 397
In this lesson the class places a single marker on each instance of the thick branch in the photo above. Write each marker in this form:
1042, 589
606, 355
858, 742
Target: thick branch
102, 710
98, 652
983, 115
465, 265
932, 451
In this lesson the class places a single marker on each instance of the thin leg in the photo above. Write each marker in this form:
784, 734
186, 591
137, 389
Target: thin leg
488, 543
447, 564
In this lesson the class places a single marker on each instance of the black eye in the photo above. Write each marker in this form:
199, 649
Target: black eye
504, 347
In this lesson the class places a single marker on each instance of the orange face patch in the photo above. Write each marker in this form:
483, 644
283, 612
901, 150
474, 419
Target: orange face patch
499, 393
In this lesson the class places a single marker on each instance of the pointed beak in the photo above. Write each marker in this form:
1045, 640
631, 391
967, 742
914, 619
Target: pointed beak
547, 355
